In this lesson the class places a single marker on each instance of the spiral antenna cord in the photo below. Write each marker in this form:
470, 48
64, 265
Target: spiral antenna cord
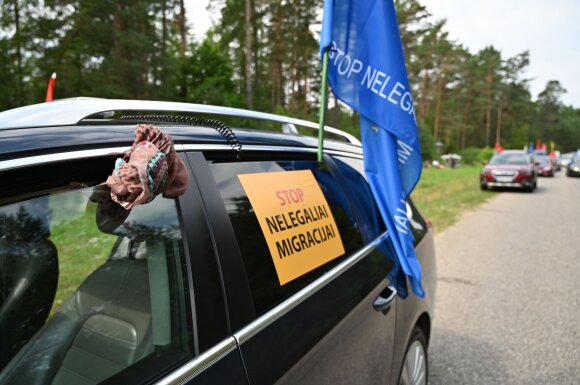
224, 130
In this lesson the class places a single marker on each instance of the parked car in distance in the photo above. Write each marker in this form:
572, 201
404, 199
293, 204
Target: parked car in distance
556, 160
544, 165
573, 168
565, 159
509, 169
188, 290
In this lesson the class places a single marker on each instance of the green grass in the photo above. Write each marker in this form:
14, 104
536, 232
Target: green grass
444, 195
81, 249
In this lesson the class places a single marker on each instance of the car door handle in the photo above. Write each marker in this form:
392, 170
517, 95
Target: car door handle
384, 301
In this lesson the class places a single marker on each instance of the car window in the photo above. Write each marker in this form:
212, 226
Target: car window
263, 279
353, 170
508, 159
88, 289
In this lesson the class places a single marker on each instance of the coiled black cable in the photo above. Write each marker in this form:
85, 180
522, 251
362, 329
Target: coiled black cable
224, 130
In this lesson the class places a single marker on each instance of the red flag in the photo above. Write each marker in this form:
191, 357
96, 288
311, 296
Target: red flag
50, 88
498, 147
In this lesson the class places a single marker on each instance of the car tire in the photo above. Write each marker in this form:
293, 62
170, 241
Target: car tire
415, 369
483, 187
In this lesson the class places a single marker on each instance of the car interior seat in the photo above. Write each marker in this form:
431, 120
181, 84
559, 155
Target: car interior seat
28, 282
103, 328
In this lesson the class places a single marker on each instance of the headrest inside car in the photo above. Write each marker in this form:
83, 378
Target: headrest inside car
151, 221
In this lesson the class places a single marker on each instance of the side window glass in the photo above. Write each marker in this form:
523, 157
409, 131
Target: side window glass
416, 222
353, 170
264, 283
88, 289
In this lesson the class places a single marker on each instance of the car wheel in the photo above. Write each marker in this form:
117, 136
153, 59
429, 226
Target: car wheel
415, 364
483, 186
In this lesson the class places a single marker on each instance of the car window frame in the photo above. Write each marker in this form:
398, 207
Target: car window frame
196, 272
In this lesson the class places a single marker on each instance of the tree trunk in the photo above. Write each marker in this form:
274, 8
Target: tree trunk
437, 128
293, 70
119, 59
182, 27
17, 37
276, 70
498, 125
248, 54
163, 27
488, 80
304, 100
463, 131
423, 99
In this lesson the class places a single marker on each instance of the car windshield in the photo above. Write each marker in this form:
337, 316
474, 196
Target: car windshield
543, 160
509, 159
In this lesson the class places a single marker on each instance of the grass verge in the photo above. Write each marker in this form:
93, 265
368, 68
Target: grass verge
444, 195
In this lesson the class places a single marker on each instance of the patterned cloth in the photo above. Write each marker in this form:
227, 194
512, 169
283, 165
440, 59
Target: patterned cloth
151, 167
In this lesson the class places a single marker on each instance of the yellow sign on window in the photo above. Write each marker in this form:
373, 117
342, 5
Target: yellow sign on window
296, 221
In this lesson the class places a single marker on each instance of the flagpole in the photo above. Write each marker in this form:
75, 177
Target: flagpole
323, 103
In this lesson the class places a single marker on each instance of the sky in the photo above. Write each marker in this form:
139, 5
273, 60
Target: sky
550, 30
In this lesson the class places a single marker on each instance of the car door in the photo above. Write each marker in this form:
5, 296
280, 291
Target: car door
109, 295
332, 324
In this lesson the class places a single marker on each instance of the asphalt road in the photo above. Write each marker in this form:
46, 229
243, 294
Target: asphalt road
508, 294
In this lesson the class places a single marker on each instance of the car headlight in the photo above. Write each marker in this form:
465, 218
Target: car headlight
576, 169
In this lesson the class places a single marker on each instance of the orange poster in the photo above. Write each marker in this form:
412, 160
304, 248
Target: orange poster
296, 221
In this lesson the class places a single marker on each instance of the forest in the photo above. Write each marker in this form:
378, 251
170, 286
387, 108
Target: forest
264, 55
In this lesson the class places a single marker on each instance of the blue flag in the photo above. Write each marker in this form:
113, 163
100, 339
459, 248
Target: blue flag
366, 70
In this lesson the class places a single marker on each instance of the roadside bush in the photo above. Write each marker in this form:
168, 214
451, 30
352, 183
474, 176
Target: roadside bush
485, 154
428, 149
470, 155
474, 155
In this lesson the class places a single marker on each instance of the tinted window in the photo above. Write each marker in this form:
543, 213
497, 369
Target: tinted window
352, 172
92, 288
416, 222
264, 283
372, 223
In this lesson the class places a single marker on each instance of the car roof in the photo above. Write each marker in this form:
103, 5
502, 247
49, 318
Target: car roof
511, 152
73, 124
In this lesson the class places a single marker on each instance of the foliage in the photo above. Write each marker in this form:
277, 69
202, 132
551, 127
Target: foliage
475, 156
263, 54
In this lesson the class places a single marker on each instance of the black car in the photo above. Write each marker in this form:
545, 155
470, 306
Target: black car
573, 168
187, 290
